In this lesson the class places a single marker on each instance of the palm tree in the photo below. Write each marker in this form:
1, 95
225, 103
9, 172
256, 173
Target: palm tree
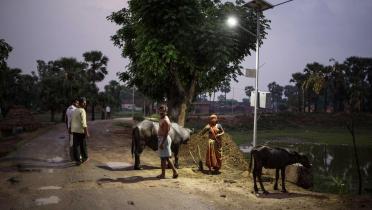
248, 90
314, 82
96, 71
225, 88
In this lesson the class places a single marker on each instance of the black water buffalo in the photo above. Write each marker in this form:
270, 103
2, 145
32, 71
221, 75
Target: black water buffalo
271, 158
145, 134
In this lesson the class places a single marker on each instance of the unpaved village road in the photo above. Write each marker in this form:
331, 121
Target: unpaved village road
40, 175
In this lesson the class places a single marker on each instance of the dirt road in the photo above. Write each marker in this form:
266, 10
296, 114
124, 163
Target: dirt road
40, 175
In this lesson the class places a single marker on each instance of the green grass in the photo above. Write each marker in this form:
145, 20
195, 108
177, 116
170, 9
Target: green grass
123, 114
122, 124
332, 136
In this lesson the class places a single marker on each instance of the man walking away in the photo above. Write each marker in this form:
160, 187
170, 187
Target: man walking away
69, 112
164, 143
80, 131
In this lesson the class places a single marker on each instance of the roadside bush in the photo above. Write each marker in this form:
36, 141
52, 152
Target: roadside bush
154, 117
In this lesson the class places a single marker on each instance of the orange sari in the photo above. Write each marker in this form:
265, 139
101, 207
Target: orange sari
214, 149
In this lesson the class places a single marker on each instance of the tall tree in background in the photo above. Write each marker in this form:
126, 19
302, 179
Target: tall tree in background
276, 93
113, 93
15, 88
96, 71
356, 72
291, 93
299, 79
314, 84
51, 81
5, 49
74, 80
225, 88
179, 49
338, 86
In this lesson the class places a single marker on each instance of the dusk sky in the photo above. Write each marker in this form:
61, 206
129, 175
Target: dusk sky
302, 31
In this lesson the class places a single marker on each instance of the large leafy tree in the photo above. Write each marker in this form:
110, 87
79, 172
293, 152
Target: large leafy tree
60, 81
96, 72
179, 49
5, 49
357, 70
15, 88
51, 81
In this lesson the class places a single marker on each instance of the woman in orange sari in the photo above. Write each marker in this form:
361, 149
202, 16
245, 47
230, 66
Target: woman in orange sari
214, 149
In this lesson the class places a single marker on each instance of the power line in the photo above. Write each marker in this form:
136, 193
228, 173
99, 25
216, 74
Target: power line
282, 3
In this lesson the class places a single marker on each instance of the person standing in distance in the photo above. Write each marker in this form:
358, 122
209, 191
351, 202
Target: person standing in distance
79, 129
108, 112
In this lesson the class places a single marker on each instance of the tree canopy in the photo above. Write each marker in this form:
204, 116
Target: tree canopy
179, 49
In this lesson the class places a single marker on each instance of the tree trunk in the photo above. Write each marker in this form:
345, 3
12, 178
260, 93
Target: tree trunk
185, 93
182, 113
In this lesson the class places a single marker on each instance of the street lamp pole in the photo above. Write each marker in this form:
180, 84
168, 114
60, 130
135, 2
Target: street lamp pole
256, 81
259, 6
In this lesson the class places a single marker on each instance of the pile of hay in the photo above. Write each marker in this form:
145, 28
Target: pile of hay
232, 157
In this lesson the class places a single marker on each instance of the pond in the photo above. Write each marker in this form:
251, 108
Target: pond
334, 166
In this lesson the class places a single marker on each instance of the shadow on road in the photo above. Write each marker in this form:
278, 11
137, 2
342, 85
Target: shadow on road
129, 168
279, 195
29, 159
25, 164
127, 180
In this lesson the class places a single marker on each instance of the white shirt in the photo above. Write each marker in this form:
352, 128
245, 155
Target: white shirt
108, 109
69, 112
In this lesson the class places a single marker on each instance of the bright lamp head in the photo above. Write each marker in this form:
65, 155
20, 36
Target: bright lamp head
232, 21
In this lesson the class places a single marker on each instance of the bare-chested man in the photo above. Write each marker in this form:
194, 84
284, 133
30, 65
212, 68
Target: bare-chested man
164, 143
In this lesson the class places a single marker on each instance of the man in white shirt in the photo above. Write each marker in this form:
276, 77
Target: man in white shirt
69, 112
108, 112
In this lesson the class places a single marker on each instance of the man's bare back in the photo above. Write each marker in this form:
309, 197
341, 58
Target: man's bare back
164, 126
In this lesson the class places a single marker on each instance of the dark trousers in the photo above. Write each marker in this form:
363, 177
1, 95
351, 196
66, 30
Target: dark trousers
79, 147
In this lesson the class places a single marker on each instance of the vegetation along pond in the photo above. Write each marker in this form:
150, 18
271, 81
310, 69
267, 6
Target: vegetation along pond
334, 166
